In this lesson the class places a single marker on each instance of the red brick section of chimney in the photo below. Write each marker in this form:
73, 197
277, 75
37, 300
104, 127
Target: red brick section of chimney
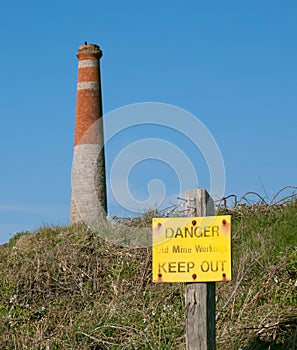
88, 98
89, 202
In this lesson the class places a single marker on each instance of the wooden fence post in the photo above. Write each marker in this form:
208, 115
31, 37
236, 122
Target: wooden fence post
200, 297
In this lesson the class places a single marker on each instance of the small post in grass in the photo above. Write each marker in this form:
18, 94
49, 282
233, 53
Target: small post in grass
200, 297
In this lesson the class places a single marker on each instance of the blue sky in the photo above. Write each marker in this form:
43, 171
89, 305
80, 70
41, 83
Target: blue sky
232, 64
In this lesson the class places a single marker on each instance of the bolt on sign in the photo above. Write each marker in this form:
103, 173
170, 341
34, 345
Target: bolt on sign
194, 249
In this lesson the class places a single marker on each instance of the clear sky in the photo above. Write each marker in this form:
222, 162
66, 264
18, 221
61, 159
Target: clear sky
232, 64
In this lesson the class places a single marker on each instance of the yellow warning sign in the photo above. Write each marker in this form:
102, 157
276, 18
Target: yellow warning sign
194, 249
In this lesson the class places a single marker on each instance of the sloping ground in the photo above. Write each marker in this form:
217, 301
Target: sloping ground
65, 288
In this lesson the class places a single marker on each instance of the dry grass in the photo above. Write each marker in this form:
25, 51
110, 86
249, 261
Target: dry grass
66, 288
261, 309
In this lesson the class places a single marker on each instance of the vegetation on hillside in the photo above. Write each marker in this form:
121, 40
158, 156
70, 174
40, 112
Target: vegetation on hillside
66, 288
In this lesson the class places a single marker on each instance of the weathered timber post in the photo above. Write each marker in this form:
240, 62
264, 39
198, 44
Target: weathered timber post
200, 297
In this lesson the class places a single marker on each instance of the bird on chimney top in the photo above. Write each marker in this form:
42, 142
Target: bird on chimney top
86, 43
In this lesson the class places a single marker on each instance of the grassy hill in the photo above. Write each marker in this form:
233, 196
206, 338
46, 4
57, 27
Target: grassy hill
66, 288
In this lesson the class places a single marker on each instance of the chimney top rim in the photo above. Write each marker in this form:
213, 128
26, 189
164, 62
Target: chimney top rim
85, 46
88, 49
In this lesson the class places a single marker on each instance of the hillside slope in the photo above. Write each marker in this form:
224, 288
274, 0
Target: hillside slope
65, 288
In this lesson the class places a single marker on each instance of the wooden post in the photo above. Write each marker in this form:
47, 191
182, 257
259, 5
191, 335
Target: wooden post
200, 297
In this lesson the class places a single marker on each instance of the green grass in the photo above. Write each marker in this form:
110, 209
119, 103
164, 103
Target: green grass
65, 288
263, 312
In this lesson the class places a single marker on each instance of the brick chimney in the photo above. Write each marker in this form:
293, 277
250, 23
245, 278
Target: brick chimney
88, 201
